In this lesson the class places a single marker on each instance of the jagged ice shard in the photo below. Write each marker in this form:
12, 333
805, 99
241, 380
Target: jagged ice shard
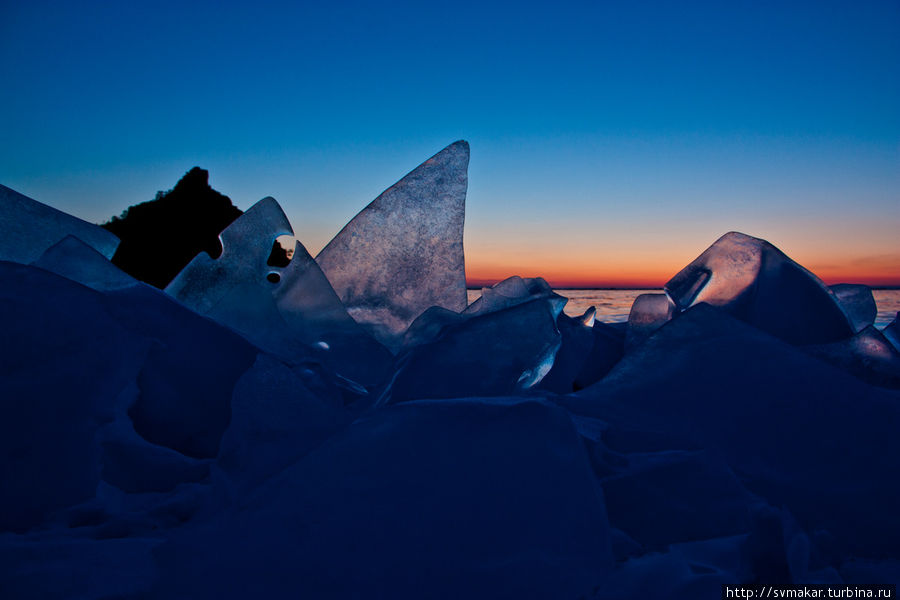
246, 245
403, 253
236, 288
757, 283
284, 310
28, 228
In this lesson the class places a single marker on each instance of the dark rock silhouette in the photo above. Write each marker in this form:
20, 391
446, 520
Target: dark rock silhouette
161, 236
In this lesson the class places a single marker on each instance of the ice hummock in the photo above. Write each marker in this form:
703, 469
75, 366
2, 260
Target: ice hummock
754, 281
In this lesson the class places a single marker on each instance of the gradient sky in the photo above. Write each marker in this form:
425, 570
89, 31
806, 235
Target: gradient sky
612, 142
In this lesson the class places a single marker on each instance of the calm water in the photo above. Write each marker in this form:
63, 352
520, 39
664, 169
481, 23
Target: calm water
614, 305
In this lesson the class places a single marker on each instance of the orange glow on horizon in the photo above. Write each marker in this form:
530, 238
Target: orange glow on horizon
650, 261
645, 276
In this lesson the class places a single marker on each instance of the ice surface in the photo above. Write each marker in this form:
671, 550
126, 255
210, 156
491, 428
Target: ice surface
687, 510
785, 423
403, 253
188, 376
754, 281
867, 355
119, 388
132, 464
492, 354
65, 361
276, 419
69, 568
75, 260
648, 313
857, 302
28, 228
312, 310
306, 299
428, 326
577, 340
892, 332
606, 350
445, 499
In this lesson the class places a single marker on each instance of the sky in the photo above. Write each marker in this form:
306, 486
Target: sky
612, 142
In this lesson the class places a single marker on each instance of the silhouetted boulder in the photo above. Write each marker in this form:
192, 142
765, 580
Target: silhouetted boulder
161, 236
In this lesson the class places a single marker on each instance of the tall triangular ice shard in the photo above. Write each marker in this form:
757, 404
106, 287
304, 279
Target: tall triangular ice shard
28, 228
403, 253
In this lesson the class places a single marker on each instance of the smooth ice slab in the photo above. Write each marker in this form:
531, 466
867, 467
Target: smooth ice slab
757, 283
495, 354
28, 228
858, 303
403, 253
311, 308
306, 299
75, 260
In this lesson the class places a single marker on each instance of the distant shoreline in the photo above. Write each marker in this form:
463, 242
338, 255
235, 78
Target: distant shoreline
479, 287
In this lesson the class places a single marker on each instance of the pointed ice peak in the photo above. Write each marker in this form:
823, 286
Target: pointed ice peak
589, 316
403, 253
263, 223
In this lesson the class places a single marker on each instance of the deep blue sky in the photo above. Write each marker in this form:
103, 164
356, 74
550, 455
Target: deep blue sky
610, 139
